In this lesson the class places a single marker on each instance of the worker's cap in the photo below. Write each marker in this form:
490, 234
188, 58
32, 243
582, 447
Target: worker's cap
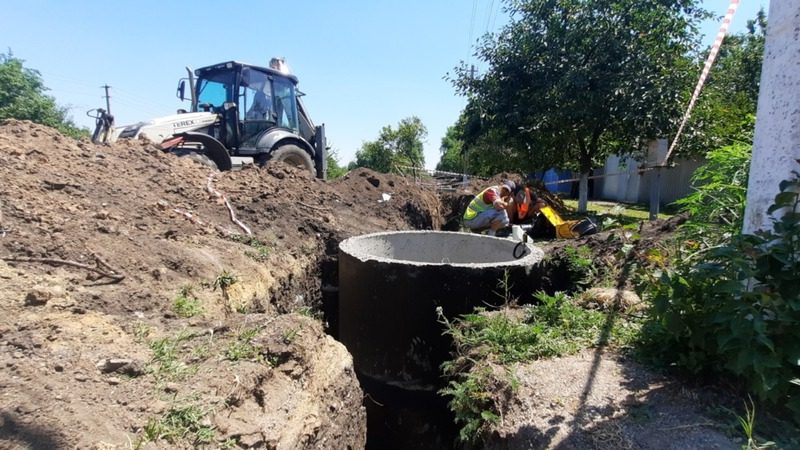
508, 184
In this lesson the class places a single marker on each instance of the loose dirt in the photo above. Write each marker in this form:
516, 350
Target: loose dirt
99, 245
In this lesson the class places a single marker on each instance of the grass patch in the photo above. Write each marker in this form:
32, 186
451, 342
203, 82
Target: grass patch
259, 250
242, 348
224, 280
141, 331
554, 327
166, 363
612, 214
180, 425
186, 304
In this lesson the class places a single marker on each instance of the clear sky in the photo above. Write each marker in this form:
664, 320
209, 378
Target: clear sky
363, 64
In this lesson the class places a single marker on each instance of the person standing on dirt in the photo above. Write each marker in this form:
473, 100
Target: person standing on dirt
488, 210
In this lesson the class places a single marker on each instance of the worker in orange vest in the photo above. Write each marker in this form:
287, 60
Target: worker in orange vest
524, 206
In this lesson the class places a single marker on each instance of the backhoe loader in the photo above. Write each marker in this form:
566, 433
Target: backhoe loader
240, 114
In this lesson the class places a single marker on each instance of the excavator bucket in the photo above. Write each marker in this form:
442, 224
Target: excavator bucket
568, 229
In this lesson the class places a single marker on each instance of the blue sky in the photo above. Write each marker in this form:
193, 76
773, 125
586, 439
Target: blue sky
362, 64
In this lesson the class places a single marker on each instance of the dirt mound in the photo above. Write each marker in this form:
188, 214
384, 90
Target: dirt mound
123, 252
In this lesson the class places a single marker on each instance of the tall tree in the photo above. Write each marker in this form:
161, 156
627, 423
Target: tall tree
335, 169
403, 146
572, 81
725, 111
22, 96
452, 159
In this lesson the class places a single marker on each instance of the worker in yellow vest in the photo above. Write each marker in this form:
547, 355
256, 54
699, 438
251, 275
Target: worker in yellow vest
487, 211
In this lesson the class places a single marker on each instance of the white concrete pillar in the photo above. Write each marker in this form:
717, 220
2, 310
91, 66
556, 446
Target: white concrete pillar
776, 144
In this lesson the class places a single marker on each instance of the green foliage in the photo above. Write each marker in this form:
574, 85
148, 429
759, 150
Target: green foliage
242, 347
573, 265
260, 249
452, 159
725, 111
224, 280
181, 424
580, 263
551, 328
572, 81
166, 363
140, 331
402, 146
471, 401
290, 335
720, 188
22, 97
334, 169
186, 304
735, 307
748, 424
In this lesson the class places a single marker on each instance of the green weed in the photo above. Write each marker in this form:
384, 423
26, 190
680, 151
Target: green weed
165, 362
471, 400
748, 424
224, 280
290, 335
551, 328
259, 249
242, 348
186, 304
181, 424
308, 311
141, 331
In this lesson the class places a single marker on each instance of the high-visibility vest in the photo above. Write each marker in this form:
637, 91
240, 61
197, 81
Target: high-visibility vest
522, 208
477, 205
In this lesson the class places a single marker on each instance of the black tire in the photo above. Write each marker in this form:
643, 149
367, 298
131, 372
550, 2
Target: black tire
195, 156
295, 156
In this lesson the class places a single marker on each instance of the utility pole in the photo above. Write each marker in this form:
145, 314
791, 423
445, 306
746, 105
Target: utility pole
776, 142
108, 98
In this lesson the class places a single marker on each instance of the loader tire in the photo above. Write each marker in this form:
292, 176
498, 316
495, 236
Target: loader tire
295, 156
197, 157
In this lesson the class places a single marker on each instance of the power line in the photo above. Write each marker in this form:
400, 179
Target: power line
489, 15
471, 29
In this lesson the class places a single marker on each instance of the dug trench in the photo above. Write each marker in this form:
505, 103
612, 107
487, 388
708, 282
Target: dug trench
136, 312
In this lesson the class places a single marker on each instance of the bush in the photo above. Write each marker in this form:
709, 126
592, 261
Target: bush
720, 188
735, 307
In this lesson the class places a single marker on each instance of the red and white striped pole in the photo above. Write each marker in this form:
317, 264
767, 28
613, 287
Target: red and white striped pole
712, 55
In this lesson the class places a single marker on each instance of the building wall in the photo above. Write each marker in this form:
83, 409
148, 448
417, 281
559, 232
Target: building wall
626, 184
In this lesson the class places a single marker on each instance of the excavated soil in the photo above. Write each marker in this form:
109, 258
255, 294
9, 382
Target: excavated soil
98, 244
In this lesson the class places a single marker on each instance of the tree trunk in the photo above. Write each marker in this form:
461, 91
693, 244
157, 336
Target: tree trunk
585, 167
583, 192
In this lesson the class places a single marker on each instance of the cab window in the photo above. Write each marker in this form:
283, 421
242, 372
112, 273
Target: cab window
214, 90
285, 104
255, 96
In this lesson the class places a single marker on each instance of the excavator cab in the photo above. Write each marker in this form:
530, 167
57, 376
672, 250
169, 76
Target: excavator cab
257, 116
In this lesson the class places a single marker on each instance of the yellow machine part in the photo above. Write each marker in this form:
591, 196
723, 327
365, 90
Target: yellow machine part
552, 216
563, 227
564, 230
